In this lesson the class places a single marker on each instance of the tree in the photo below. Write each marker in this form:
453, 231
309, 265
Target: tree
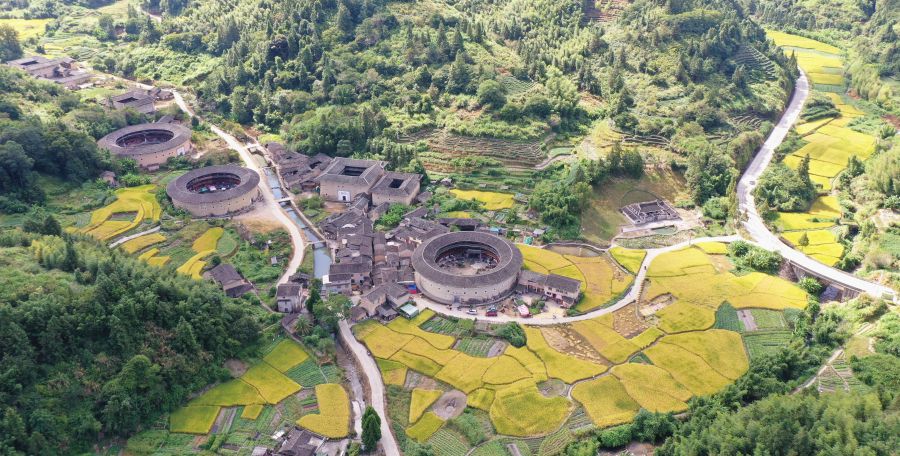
492, 93
10, 48
562, 91
460, 75
804, 240
345, 21
371, 429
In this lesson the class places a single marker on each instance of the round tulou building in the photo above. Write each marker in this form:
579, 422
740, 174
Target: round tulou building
149, 144
215, 190
467, 267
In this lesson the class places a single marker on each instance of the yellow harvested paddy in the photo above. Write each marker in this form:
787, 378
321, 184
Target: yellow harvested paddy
493, 201
27, 28
140, 243
606, 401
333, 419
140, 201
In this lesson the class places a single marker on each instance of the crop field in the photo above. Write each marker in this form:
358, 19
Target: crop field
713, 248
493, 201
286, 355
600, 279
630, 259
140, 243
333, 419
196, 419
521, 410
229, 394
449, 442
652, 387
560, 365
135, 203
251, 412
204, 246
421, 400
425, 427
394, 373
606, 401
606, 340
272, 385
690, 276
763, 342
26, 28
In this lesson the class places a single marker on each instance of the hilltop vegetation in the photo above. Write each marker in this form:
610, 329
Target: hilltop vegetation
97, 341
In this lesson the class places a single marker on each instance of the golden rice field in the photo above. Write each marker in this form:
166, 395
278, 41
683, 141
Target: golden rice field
688, 358
26, 28
193, 419
333, 419
421, 400
204, 245
425, 427
493, 201
392, 372
140, 243
601, 280
830, 145
630, 259
140, 201
262, 384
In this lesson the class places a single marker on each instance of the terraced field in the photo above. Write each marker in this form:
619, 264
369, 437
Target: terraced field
133, 206
263, 384
601, 279
830, 144
204, 246
683, 355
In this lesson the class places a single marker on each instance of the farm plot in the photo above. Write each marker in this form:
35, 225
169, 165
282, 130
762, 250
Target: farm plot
692, 279
630, 259
286, 355
421, 400
493, 201
521, 410
195, 419
204, 246
140, 243
606, 401
762, 342
425, 427
132, 206
601, 280
272, 385
333, 419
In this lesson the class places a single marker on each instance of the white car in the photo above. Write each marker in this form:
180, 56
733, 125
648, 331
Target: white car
472, 312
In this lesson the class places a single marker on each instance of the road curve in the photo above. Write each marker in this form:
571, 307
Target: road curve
376, 386
754, 223
632, 295
294, 231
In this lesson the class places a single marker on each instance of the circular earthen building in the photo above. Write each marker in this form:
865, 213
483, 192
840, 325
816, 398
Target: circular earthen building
215, 190
467, 267
150, 144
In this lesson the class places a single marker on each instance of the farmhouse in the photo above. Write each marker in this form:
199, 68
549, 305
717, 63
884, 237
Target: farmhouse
299, 171
389, 295
563, 290
215, 191
289, 298
149, 144
232, 282
63, 71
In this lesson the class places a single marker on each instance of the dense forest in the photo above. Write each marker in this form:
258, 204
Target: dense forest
352, 77
96, 341
47, 130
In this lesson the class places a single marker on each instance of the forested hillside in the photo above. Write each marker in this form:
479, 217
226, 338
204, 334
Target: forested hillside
95, 341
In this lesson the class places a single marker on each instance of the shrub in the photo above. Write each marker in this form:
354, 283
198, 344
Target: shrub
716, 208
811, 285
513, 333
615, 437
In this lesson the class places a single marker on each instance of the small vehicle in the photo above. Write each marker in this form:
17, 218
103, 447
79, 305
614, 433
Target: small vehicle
472, 311
492, 311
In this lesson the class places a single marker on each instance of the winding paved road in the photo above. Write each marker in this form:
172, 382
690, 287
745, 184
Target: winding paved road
292, 228
376, 386
754, 223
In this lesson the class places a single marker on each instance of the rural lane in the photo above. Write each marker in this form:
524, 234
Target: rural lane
292, 228
376, 386
633, 293
754, 223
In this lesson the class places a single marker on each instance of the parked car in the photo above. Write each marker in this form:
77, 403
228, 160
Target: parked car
472, 311
492, 311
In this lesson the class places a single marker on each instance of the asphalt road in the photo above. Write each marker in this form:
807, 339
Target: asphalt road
754, 223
